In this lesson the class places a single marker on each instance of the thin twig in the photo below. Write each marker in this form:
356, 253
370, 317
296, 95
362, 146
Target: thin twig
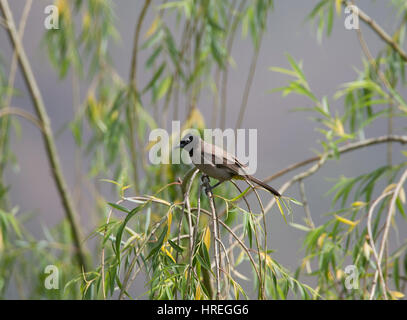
137, 255
103, 250
244, 247
209, 194
10, 85
305, 204
373, 246
191, 229
249, 82
229, 46
206, 212
380, 31
132, 109
388, 221
342, 150
262, 266
22, 113
50, 146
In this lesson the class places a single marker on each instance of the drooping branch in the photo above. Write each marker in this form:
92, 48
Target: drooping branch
22, 113
249, 82
344, 149
324, 157
133, 89
379, 31
373, 246
230, 41
209, 194
387, 227
308, 217
47, 134
10, 84
133, 67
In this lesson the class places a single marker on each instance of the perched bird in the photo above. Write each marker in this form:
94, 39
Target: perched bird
217, 163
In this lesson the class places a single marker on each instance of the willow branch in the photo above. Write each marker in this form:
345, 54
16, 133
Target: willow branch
305, 204
48, 138
262, 269
191, 229
10, 84
125, 284
344, 149
249, 82
390, 214
209, 194
133, 68
209, 214
388, 86
103, 249
22, 113
131, 109
229, 46
380, 32
373, 246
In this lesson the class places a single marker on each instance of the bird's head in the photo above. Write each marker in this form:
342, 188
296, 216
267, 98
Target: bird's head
189, 141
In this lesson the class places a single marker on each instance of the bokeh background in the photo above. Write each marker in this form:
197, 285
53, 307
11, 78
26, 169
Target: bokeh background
284, 137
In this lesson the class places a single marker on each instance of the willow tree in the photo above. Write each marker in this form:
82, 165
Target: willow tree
167, 225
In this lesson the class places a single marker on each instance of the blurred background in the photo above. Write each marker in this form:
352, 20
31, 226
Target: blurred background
284, 136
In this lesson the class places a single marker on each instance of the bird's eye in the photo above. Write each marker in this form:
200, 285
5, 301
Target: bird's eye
191, 138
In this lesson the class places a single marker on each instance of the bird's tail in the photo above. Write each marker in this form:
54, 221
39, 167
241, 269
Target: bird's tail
264, 185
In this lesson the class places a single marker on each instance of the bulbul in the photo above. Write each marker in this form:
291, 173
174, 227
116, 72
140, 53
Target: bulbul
217, 163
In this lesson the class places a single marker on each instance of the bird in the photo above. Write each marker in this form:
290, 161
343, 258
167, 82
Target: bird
217, 163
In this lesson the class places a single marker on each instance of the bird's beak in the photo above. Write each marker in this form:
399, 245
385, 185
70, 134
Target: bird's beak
181, 145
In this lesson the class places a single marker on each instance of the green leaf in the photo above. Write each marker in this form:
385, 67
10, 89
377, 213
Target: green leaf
294, 201
156, 75
240, 195
118, 207
296, 68
150, 61
175, 246
163, 88
400, 208
159, 243
121, 229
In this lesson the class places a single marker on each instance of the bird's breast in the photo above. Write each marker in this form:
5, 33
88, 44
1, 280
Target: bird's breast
214, 172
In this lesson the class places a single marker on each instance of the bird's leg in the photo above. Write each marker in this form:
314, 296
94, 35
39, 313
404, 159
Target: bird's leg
215, 185
205, 181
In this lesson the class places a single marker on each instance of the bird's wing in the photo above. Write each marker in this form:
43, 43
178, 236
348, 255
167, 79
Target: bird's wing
222, 159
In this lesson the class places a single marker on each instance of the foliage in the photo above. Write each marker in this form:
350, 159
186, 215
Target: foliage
163, 227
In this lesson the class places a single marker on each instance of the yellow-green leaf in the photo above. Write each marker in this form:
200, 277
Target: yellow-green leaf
395, 295
390, 187
168, 253
198, 292
207, 238
338, 4
169, 221
358, 204
153, 27
350, 223
280, 208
